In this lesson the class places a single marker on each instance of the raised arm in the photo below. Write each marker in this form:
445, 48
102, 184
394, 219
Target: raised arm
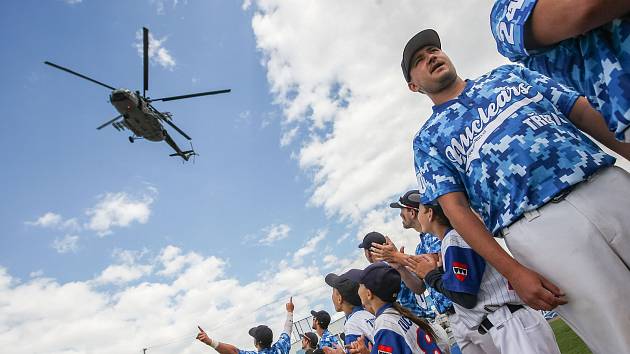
590, 121
222, 348
533, 288
555, 20
288, 324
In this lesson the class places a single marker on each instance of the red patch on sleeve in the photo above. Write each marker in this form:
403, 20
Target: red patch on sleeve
384, 349
460, 270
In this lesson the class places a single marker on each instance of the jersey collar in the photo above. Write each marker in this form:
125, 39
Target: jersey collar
383, 308
439, 107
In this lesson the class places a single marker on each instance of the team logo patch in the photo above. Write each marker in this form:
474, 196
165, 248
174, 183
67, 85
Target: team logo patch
460, 270
384, 349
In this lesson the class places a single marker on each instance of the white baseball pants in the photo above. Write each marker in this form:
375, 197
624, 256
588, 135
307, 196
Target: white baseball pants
582, 244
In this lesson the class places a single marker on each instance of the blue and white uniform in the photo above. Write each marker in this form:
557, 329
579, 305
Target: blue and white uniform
524, 331
507, 143
359, 323
396, 334
282, 346
328, 340
595, 64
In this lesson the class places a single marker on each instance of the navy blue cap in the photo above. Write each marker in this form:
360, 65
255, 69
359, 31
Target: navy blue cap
262, 334
347, 287
322, 317
372, 237
382, 280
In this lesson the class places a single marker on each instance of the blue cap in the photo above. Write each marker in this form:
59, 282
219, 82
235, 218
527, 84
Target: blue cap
382, 280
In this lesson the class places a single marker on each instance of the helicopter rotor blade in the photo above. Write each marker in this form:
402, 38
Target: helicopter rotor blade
77, 74
108, 123
145, 60
172, 98
176, 128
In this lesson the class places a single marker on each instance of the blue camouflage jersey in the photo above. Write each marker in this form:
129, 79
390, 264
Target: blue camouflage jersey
507, 143
328, 340
429, 243
595, 64
282, 346
416, 303
396, 334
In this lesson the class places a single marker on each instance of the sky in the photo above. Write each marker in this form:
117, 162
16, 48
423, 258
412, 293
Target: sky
111, 247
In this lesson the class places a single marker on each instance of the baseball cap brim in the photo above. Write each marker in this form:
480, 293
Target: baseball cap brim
252, 331
332, 280
396, 205
417, 42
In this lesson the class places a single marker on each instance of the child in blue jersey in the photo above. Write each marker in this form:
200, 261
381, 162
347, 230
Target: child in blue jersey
510, 145
263, 338
484, 300
582, 44
345, 297
396, 330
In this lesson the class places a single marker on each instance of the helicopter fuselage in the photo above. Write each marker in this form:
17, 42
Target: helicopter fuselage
137, 116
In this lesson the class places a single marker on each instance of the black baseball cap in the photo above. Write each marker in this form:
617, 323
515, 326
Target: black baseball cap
382, 280
372, 237
408, 200
348, 288
417, 42
311, 337
322, 317
262, 334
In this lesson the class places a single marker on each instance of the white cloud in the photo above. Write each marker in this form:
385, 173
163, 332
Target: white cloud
346, 88
47, 220
122, 273
118, 209
73, 2
275, 232
146, 309
66, 244
157, 52
309, 247
55, 221
288, 136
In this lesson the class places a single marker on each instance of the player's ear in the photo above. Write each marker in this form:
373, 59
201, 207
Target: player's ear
415, 87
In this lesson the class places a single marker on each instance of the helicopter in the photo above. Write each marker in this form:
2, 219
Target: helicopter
137, 114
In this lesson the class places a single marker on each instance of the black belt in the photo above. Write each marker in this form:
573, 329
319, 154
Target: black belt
485, 324
556, 199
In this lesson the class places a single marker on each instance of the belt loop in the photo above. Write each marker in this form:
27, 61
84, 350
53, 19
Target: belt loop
532, 214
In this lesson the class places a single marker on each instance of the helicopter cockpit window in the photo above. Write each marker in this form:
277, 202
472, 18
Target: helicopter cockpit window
118, 96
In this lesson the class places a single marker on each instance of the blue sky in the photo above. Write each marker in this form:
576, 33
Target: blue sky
58, 162
109, 247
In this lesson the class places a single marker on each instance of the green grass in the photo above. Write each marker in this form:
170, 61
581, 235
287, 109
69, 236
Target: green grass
568, 341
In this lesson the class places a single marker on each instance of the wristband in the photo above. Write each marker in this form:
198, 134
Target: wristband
214, 344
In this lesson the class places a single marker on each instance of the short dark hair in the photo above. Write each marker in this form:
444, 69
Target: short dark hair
439, 215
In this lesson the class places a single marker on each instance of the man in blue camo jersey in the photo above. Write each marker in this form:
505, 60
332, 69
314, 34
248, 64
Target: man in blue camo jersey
321, 320
263, 338
510, 145
584, 44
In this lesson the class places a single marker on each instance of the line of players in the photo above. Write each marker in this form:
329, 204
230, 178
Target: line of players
484, 314
505, 155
